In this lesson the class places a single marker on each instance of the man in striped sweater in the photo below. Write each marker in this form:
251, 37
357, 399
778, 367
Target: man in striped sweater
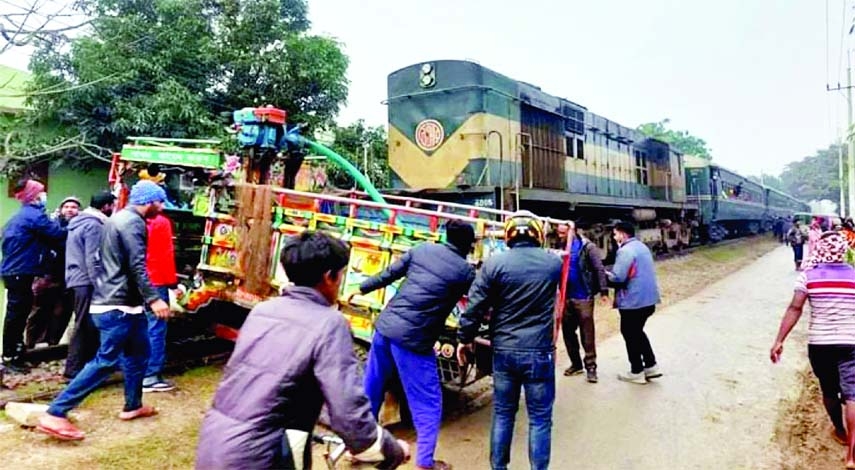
828, 283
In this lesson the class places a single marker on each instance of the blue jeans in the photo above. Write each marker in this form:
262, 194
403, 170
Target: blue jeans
420, 379
512, 371
124, 342
156, 338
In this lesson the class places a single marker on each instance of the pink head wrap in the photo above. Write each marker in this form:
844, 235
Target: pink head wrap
30, 193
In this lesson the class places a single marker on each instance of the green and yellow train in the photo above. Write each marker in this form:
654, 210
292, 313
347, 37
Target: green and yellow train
461, 132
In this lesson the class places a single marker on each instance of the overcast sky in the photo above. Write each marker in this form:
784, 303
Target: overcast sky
749, 76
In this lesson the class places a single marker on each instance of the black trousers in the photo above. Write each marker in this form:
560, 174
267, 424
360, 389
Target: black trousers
638, 348
19, 302
85, 339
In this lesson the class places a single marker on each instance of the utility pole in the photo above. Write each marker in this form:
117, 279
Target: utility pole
849, 136
840, 178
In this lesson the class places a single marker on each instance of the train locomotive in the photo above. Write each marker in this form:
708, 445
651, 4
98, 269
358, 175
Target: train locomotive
461, 132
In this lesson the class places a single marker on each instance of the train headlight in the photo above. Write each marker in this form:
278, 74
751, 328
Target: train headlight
427, 76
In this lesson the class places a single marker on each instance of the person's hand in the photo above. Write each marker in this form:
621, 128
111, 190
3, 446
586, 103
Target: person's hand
462, 350
161, 309
775, 353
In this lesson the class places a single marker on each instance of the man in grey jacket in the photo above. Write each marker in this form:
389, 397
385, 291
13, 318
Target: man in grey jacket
122, 288
82, 262
294, 354
636, 296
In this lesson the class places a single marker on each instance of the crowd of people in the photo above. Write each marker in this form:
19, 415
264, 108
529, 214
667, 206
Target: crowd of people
294, 353
113, 271
110, 271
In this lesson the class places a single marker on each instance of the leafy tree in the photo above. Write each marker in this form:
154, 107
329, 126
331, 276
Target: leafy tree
771, 181
361, 145
681, 140
177, 69
815, 177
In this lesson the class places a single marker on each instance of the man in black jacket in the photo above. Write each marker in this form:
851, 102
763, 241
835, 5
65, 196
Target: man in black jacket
586, 279
437, 278
521, 286
82, 262
122, 289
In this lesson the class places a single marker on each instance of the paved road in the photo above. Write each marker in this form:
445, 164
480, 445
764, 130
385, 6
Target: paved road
715, 407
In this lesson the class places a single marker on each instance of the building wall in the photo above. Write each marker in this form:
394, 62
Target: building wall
61, 184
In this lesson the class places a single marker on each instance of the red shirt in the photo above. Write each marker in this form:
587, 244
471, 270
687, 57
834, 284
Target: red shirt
160, 252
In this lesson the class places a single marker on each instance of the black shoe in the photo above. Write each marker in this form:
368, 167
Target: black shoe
573, 370
16, 366
592, 376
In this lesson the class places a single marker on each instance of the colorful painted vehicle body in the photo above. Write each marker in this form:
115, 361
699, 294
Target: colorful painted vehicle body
218, 234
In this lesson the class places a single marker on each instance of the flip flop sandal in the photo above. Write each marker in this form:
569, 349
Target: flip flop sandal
143, 412
63, 434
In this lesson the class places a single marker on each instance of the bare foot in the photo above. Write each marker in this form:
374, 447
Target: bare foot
142, 412
850, 464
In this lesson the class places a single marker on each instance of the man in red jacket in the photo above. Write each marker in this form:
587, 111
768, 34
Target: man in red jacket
160, 262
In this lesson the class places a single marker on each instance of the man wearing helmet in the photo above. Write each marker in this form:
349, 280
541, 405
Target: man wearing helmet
520, 285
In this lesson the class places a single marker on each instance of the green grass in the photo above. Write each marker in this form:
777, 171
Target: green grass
724, 254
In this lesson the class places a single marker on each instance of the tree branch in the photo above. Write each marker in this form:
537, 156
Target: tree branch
19, 28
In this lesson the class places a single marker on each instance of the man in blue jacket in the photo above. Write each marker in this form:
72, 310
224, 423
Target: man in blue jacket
634, 277
437, 278
521, 286
27, 238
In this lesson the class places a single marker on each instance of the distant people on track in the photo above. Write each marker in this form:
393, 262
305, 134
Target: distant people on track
52, 303
786, 225
160, 262
520, 285
82, 262
437, 277
796, 238
636, 296
294, 354
586, 279
828, 284
27, 238
778, 228
122, 289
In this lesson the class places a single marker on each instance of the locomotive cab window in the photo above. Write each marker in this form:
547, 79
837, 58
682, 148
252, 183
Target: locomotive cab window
640, 167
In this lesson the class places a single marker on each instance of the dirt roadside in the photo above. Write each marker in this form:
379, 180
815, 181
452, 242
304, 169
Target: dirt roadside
168, 441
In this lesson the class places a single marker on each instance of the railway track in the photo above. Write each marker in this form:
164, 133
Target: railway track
184, 354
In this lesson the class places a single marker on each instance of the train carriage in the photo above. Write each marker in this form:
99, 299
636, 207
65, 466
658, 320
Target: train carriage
733, 205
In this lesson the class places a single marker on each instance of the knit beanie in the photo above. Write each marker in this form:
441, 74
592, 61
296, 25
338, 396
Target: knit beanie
70, 199
30, 193
146, 192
